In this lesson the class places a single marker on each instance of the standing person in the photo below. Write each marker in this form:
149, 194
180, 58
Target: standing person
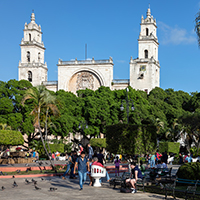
165, 157
91, 152
152, 161
82, 164
188, 158
117, 162
136, 172
80, 149
53, 156
37, 155
180, 159
70, 162
100, 157
74, 158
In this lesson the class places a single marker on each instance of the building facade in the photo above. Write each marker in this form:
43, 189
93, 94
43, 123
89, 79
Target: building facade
91, 74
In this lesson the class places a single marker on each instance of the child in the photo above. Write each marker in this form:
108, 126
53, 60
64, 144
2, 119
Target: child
117, 161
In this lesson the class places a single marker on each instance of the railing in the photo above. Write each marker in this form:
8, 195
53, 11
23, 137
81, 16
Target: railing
50, 82
115, 81
84, 62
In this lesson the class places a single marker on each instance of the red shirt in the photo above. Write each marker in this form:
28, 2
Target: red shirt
97, 163
81, 149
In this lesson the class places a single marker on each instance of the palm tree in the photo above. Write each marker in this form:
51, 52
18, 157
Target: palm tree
197, 27
42, 101
173, 131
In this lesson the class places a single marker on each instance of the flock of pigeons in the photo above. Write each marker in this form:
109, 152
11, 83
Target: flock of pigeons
27, 182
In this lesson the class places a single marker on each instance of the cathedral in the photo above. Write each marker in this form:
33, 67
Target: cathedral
91, 74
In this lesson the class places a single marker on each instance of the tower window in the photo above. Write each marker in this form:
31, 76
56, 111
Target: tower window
146, 53
30, 76
28, 56
29, 37
147, 31
39, 56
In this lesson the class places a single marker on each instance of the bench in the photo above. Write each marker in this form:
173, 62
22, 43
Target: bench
185, 186
160, 172
119, 180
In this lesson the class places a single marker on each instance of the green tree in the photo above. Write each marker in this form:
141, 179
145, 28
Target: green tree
41, 101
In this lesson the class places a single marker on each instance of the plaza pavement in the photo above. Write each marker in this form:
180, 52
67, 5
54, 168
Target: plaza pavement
67, 189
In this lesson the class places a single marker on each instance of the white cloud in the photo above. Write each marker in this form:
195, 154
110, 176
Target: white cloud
176, 35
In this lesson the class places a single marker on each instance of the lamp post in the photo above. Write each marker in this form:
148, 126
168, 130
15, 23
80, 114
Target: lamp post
127, 101
82, 126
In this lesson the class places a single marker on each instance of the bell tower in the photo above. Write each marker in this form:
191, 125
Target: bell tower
145, 70
32, 66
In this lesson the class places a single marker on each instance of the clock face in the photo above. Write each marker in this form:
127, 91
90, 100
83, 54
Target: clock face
143, 68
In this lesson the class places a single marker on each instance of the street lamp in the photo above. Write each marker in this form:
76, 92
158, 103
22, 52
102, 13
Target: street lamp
82, 126
127, 101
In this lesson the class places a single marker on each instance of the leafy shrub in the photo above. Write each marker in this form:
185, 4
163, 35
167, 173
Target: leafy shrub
98, 142
169, 147
57, 147
10, 137
189, 171
130, 139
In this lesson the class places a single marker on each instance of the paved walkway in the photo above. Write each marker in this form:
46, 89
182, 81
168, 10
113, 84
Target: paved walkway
66, 189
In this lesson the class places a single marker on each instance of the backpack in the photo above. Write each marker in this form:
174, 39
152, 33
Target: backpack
125, 190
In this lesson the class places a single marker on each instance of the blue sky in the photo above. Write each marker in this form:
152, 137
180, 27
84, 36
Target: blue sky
110, 28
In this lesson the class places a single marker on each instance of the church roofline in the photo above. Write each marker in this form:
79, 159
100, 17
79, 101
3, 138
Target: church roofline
85, 62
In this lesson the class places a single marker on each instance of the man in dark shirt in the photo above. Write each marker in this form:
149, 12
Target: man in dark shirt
100, 157
83, 165
136, 172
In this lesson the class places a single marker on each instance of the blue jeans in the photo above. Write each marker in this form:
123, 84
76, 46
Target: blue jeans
68, 168
107, 177
72, 175
82, 178
152, 163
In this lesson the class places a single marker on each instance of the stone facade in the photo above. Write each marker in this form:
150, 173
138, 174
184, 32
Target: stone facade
32, 66
145, 70
81, 74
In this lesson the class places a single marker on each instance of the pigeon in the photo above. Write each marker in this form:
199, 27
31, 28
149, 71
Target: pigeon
33, 180
27, 170
3, 188
52, 189
27, 181
18, 171
5, 173
1, 173
15, 184
26, 164
42, 179
37, 188
13, 176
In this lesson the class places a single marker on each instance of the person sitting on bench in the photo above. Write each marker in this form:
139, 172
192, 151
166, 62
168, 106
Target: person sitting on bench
136, 172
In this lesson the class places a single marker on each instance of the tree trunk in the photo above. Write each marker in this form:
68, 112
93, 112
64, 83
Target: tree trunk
46, 131
52, 164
